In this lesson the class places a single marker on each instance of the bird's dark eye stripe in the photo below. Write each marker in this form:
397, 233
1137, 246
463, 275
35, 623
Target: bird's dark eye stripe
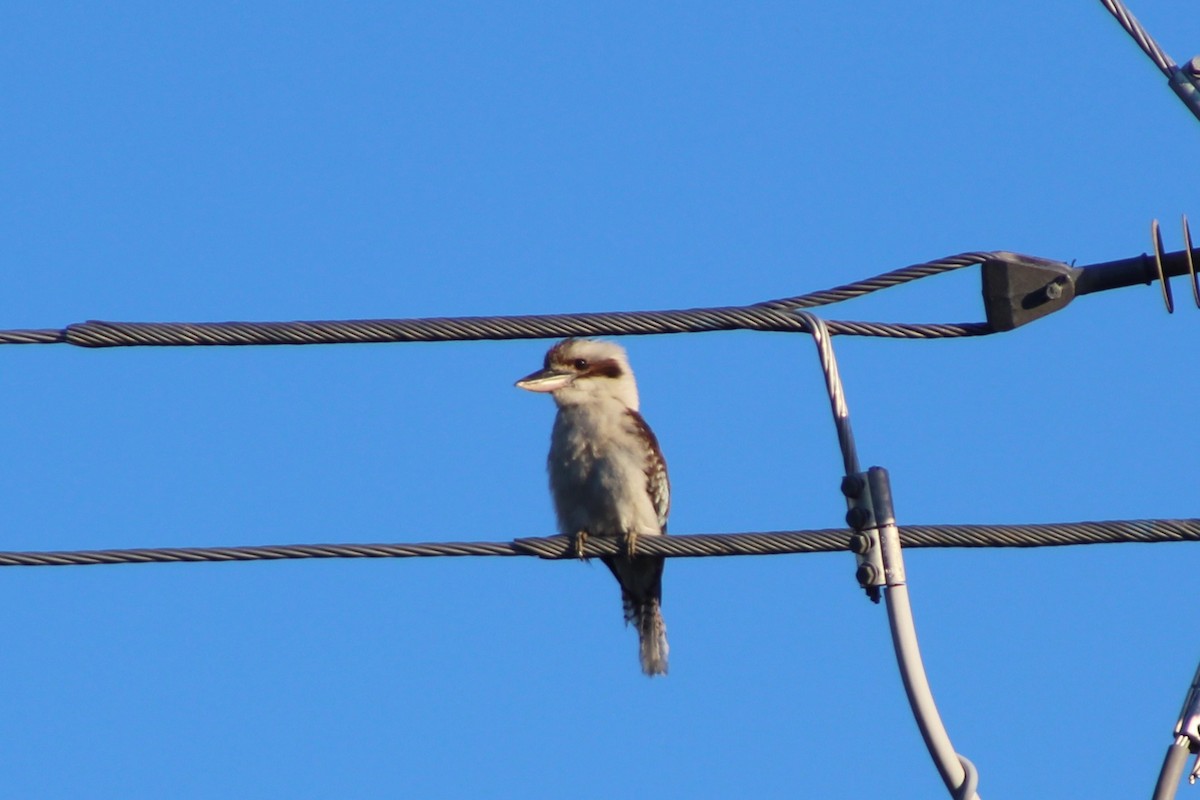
603, 368
608, 368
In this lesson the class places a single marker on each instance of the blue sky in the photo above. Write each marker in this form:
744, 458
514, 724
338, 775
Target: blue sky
167, 161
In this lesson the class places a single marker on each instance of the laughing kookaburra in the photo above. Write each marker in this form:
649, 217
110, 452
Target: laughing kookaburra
607, 474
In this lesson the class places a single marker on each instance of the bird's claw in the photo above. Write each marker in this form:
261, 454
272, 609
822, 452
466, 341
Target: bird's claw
631, 544
578, 541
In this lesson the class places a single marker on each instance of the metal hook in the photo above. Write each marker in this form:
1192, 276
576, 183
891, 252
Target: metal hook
1156, 237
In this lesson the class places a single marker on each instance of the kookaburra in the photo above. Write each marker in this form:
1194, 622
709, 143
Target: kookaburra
607, 474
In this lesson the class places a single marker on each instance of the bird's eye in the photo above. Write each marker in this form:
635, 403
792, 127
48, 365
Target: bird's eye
581, 363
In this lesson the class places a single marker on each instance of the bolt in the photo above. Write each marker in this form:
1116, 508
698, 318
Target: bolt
858, 517
865, 575
860, 544
852, 486
1054, 290
1193, 67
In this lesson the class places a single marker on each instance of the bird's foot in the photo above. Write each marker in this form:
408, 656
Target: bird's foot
578, 541
631, 544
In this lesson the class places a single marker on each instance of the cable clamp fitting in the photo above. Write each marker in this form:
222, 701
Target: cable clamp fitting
1018, 289
1188, 726
875, 540
1185, 82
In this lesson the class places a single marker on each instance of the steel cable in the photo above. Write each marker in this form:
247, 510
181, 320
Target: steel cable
692, 545
1140, 35
772, 315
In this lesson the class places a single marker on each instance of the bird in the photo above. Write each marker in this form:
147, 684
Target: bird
608, 477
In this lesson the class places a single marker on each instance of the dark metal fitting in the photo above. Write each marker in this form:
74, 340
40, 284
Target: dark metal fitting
1018, 289
1192, 68
860, 543
858, 518
852, 486
880, 489
865, 575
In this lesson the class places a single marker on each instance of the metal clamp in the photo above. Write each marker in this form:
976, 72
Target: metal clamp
876, 540
1018, 289
1188, 726
1185, 82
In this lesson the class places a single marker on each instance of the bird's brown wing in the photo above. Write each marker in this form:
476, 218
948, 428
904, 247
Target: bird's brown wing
658, 482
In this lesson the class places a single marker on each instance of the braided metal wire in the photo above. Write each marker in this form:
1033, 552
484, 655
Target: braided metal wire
885, 281
695, 545
1140, 35
45, 336
837, 393
169, 555
773, 315
1145, 531
126, 334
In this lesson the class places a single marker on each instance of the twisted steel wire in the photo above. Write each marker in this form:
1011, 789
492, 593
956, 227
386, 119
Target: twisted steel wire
958, 773
44, 336
1140, 35
837, 394
694, 545
773, 315
885, 281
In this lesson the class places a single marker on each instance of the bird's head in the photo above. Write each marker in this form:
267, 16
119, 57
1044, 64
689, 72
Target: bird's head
579, 371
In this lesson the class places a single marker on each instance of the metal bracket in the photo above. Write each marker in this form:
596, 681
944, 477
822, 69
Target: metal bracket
864, 542
1185, 82
1188, 725
1018, 289
875, 538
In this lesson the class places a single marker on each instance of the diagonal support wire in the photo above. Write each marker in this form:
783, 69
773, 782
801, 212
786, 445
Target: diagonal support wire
958, 773
1184, 81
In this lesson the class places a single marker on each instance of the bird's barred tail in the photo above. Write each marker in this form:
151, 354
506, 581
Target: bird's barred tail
652, 633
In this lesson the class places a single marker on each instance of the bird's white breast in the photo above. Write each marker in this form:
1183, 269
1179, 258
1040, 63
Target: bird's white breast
597, 466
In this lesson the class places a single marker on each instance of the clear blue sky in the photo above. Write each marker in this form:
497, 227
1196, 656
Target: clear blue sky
182, 161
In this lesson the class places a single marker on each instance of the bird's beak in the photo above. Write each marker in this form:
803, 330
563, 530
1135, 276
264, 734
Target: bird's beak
544, 380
